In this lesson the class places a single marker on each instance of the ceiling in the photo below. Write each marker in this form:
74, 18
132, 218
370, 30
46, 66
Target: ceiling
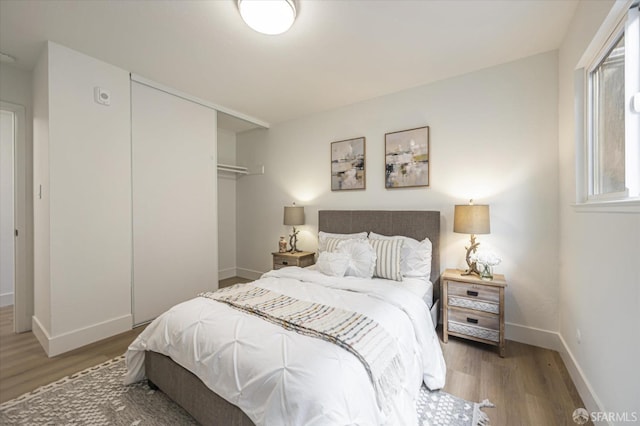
337, 52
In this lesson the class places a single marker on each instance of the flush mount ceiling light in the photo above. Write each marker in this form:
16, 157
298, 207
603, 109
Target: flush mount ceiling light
268, 16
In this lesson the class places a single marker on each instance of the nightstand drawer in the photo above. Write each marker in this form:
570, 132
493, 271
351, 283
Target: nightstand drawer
475, 318
474, 332
474, 291
477, 305
300, 258
282, 261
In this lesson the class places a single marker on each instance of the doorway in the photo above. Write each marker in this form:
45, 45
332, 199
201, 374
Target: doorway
7, 207
13, 287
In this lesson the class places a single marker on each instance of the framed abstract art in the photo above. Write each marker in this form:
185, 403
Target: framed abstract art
407, 158
348, 164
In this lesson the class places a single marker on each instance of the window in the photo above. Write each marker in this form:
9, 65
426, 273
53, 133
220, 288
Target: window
613, 121
607, 123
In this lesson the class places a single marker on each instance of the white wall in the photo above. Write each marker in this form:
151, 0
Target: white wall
599, 275
493, 138
226, 206
83, 285
15, 88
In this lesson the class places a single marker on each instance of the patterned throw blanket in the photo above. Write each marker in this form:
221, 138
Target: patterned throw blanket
376, 349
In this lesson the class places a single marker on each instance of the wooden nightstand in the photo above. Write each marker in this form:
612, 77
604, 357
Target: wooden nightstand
301, 259
473, 308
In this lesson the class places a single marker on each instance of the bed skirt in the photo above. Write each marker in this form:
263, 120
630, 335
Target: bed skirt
188, 391
435, 312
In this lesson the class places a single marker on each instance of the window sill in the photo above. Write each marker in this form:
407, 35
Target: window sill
619, 206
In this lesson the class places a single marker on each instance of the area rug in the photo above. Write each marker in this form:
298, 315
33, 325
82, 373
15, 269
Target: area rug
96, 396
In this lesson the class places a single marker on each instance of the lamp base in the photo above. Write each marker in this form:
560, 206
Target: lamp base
293, 241
472, 267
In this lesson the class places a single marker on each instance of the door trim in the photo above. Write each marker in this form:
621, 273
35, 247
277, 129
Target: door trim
22, 290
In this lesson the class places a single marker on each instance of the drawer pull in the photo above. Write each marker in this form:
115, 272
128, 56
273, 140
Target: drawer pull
284, 262
472, 293
472, 320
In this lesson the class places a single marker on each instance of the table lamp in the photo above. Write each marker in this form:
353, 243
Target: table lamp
293, 216
471, 219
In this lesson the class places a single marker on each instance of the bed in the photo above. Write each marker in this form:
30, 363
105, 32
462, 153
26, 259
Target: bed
284, 376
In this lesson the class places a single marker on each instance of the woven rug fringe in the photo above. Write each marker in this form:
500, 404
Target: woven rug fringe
480, 418
60, 382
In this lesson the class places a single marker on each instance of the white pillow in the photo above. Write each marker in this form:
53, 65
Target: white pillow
415, 257
322, 238
333, 264
362, 257
387, 258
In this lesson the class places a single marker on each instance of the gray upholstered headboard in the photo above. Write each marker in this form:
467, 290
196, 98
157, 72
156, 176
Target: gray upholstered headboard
417, 224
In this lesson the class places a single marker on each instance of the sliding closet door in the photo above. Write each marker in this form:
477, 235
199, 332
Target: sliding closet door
174, 200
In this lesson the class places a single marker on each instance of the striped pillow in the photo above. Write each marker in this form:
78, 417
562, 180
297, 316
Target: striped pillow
324, 236
388, 258
331, 244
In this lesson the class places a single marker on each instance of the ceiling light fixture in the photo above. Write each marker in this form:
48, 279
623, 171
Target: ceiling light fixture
268, 16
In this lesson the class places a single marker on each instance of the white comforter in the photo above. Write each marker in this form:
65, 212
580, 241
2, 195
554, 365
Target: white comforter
279, 377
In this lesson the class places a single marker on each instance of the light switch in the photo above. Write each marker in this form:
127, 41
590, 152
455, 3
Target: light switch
102, 96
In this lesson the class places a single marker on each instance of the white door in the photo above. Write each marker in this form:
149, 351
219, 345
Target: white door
14, 287
7, 226
174, 200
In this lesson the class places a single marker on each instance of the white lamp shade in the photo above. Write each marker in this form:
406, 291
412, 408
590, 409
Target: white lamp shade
293, 216
268, 16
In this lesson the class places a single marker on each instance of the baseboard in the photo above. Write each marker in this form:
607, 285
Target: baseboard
591, 401
65, 342
248, 274
6, 299
41, 334
533, 336
223, 274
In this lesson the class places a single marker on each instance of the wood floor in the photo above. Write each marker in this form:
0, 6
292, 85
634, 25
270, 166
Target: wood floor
529, 386
24, 366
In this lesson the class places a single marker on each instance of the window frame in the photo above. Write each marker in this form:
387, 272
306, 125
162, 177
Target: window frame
623, 20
